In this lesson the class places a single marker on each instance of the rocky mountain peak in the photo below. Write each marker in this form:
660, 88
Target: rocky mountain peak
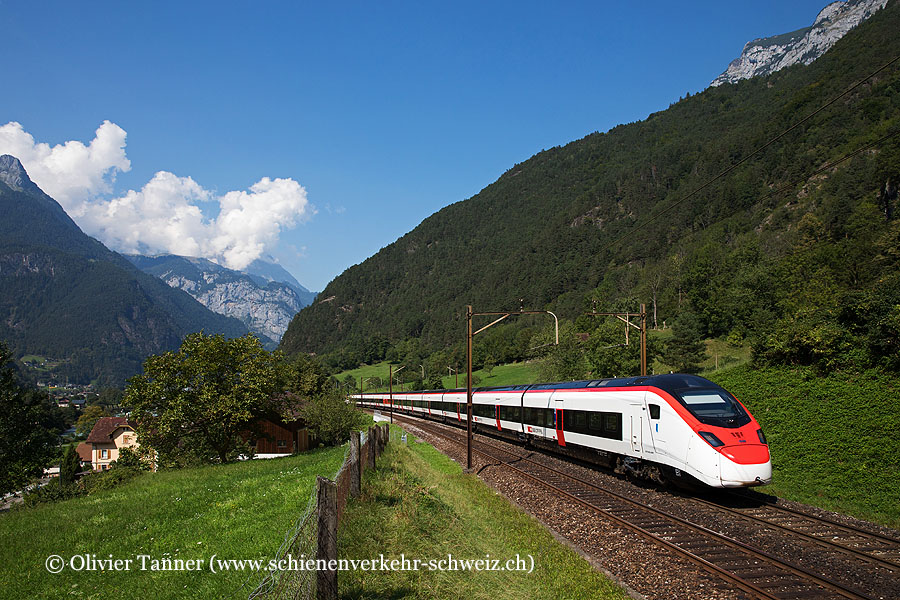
767, 55
13, 174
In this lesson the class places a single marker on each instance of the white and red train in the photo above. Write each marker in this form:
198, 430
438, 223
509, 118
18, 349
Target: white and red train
666, 427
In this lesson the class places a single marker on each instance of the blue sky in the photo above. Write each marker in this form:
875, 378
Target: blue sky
384, 112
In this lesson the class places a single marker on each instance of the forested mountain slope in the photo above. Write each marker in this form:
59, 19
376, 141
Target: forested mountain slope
66, 297
804, 261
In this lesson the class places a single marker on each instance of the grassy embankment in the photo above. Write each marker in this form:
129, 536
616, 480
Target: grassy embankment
419, 503
833, 438
235, 511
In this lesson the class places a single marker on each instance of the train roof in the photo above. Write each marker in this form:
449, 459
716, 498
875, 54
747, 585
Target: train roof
668, 382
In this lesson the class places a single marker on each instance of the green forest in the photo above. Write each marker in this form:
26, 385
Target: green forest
763, 213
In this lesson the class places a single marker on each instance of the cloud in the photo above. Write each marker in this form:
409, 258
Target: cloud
69, 172
165, 215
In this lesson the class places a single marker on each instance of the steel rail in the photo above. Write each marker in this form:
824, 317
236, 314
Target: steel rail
829, 544
842, 526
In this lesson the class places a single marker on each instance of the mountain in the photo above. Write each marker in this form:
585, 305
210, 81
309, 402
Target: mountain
264, 271
264, 305
766, 55
64, 296
794, 247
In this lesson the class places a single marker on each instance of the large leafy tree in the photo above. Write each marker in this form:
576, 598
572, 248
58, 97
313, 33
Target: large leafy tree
89, 418
27, 440
194, 404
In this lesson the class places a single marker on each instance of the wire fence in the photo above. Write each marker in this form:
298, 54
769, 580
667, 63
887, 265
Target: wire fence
308, 539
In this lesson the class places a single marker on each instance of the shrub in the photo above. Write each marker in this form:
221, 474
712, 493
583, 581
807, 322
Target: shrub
105, 480
331, 419
54, 491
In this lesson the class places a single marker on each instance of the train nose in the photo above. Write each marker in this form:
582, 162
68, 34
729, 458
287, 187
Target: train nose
745, 465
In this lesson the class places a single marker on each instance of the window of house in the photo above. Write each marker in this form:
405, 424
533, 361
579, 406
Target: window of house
282, 443
104, 453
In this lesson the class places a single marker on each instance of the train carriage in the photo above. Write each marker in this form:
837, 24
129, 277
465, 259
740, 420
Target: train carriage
674, 427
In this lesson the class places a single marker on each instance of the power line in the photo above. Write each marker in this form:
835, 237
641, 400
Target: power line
831, 165
760, 149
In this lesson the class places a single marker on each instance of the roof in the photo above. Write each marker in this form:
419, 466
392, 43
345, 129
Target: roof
104, 428
84, 452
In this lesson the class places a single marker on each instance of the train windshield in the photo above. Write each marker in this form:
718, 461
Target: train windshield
714, 407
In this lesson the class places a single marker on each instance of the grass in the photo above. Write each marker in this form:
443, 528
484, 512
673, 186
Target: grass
511, 374
418, 503
722, 355
235, 511
833, 438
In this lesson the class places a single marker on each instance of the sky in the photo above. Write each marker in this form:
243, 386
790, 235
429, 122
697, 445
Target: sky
316, 133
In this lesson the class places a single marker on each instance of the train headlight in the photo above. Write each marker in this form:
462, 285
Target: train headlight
711, 439
762, 437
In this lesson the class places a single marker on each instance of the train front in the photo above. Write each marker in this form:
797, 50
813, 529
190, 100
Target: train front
728, 447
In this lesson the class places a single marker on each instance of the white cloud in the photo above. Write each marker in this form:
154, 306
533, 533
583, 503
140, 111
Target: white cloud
69, 172
164, 216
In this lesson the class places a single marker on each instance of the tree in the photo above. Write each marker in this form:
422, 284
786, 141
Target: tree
331, 419
435, 380
27, 442
89, 418
685, 351
566, 361
70, 466
307, 377
489, 365
195, 403
110, 399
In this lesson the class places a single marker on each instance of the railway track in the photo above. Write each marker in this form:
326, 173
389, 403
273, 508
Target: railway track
756, 572
870, 547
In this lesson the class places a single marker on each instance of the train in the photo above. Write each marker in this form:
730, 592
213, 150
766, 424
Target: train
674, 428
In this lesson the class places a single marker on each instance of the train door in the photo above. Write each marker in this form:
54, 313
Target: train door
637, 429
655, 424
557, 406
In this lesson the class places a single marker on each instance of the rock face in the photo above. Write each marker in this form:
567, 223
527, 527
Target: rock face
266, 307
13, 174
767, 55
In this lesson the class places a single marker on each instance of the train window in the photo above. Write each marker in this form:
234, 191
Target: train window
530, 417
483, 410
580, 419
654, 411
596, 421
576, 421
510, 413
612, 425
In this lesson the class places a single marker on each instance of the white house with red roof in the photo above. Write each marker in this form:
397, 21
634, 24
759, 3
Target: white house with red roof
107, 438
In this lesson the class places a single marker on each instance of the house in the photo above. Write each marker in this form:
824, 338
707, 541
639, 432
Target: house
85, 455
107, 438
279, 437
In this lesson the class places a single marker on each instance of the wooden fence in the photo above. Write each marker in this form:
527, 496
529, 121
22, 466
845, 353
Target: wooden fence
314, 535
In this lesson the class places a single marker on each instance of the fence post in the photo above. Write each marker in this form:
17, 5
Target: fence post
326, 580
355, 470
371, 461
386, 437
